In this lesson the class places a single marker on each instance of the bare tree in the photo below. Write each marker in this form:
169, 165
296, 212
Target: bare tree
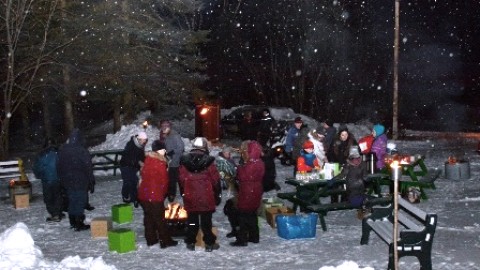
25, 35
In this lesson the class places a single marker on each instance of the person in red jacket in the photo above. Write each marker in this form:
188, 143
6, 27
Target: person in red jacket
152, 191
200, 185
250, 189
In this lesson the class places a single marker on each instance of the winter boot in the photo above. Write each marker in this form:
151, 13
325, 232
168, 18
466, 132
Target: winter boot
79, 225
210, 248
72, 221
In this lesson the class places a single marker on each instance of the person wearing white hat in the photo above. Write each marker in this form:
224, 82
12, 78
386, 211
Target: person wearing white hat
200, 184
133, 156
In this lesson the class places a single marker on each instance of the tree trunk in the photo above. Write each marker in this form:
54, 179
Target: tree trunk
47, 122
23, 110
128, 113
117, 104
68, 109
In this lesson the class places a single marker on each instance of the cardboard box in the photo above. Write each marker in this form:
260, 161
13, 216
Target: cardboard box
121, 240
272, 212
21, 201
199, 242
122, 213
100, 226
268, 203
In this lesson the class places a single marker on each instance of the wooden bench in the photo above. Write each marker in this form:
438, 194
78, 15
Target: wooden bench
12, 170
416, 231
106, 160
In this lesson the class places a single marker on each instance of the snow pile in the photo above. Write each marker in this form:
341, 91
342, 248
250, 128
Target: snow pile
18, 251
348, 265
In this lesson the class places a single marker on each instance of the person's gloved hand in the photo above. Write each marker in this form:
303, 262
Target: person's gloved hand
170, 153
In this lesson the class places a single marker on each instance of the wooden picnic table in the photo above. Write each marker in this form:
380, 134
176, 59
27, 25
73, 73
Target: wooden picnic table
106, 160
307, 195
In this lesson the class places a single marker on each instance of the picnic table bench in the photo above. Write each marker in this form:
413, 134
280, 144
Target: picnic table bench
414, 174
12, 169
414, 239
106, 160
307, 197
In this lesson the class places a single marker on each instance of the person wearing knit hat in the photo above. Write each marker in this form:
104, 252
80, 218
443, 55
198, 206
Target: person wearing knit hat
307, 160
152, 192
133, 156
354, 172
175, 147
379, 145
199, 182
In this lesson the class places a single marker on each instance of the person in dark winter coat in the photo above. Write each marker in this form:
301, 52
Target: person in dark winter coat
379, 145
355, 172
269, 178
133, 156
75, 171
152, 192
329, 132
248, 127
200, 185
265, 128
175, 147
342, 144
250, 178
45, 169
296, 136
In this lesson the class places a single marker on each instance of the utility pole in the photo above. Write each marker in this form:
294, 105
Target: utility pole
396, 45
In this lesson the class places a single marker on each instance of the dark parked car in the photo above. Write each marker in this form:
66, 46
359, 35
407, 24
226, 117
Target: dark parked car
282, 120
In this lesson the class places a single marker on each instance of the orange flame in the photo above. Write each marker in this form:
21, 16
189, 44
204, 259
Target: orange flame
175, 211
395, 164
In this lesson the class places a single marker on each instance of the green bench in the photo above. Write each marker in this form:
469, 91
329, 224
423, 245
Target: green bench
416, 231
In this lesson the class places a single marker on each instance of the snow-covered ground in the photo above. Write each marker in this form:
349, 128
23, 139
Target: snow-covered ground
28, 242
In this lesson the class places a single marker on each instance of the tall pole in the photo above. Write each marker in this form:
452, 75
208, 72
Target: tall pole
395, 70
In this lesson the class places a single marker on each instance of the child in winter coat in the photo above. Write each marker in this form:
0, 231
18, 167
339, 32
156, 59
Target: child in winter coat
152, 192
379, 145
249, 177
307, 161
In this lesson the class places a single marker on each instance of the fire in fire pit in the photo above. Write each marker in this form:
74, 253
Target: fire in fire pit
176, 218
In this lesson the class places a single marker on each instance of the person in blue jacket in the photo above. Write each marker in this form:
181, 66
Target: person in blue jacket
45, 169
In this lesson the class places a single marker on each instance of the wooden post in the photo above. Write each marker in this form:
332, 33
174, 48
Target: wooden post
396, 45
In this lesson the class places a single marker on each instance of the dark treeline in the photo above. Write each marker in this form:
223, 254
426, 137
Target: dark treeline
74, 63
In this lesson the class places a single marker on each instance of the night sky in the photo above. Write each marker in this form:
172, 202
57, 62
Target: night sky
439, 60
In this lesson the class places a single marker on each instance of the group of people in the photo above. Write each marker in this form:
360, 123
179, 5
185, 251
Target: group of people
310, 149
151, 178
67, 177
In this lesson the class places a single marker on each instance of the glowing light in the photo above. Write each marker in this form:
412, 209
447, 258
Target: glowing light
204, 111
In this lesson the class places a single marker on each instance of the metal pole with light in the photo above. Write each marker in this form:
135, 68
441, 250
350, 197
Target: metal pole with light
396, 176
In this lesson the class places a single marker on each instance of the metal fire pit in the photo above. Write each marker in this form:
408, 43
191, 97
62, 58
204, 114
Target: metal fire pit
177, 227
457, 170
